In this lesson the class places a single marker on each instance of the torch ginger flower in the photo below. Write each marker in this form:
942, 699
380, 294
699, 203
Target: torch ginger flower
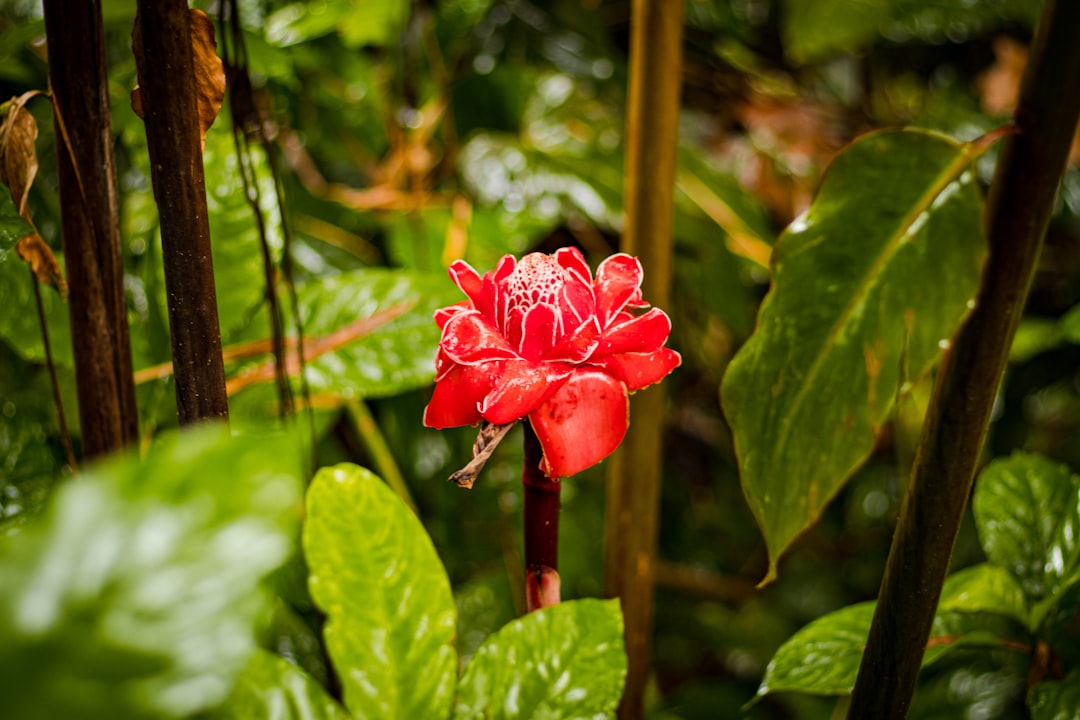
542, 339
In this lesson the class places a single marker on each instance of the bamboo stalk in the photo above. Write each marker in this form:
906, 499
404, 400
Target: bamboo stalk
634, 472
1018, 212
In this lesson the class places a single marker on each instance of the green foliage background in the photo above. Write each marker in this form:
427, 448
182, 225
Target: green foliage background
482, 127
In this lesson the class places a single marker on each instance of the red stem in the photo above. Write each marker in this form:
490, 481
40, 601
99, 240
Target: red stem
541, 527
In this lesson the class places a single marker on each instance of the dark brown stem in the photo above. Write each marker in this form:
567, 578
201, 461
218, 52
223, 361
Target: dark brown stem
176, 169
1018, 211
97, 305
635, 471
65, 436
541, 527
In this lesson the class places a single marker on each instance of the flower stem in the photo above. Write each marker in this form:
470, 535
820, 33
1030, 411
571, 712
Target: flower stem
541, 527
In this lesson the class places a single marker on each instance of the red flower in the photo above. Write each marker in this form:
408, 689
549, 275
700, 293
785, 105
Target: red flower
542, 339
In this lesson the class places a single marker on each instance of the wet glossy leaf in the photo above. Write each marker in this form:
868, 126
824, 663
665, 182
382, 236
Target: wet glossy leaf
395, 353
565, 661
238, 265
391, 617
823, 658
136, 594
12, 225
273, 688
984, 588
1027, 511
1056, 700
868, 286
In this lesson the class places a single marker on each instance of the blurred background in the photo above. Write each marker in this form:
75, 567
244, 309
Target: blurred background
410, 134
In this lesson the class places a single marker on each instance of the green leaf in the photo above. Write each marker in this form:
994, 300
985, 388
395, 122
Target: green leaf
360, 22
1056, 700
823, 657
19, 324
818, 29
562, 662
13, 227
391, 616
984, 588
136, 594
272, 687
239, 277
392, 357
868, 285
815, 30
1027, 512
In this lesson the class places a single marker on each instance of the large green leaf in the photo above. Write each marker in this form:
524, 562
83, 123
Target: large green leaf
823, 657
868, 285
1056, 700
273, 688
1027, 512
561, 663
397, 354
13, 227
346, 354
137, 593
984, 588
391, 617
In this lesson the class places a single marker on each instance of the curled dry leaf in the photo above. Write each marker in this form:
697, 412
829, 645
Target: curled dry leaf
37, 253
209, 70
18, 168
18, 159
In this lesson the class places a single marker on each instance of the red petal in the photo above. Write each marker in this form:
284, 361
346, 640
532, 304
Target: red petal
640, 370
506, 266
469, 338
576, 304
640, 334
538, 332
457, 396
618, 281
443, 315
578, 345
572, 259
582, 423
521, 388
443, 365
466, 278
513, 326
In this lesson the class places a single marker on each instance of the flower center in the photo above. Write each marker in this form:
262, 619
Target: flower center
537, 279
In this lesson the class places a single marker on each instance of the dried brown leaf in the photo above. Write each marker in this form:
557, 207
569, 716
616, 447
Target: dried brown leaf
487, 440
18, 158
208, 67
37, 253
209, 70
